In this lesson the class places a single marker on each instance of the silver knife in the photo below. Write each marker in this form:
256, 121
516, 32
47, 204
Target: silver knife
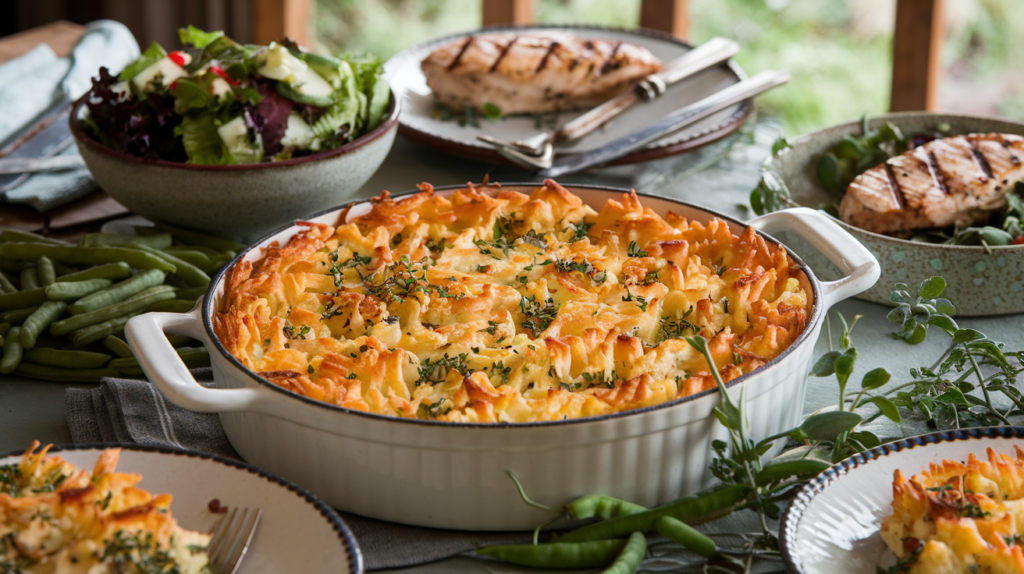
678, 119
51, 140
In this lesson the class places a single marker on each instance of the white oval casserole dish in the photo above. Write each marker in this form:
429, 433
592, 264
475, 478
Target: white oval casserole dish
452, 475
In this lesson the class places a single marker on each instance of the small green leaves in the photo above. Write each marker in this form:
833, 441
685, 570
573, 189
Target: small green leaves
915, 314
874, 379
931, 288
825, 365
491, 111
779, 471
887, 407
829, 173
779, 145
828, 425
770, 194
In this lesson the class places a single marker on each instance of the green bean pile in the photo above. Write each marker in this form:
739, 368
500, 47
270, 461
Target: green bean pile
63, 307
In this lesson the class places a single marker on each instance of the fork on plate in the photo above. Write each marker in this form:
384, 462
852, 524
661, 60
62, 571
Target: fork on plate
231, 539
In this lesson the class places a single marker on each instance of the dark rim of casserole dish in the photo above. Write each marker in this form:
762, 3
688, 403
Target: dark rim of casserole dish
816, 315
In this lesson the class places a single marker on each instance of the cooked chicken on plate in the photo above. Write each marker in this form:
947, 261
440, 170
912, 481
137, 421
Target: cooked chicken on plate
536, 72
957, 180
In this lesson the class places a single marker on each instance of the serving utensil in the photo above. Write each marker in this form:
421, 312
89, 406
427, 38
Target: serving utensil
539, 149
231, 539
28, 165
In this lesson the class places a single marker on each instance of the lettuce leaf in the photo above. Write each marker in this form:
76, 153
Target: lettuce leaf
197, 37
202, 143
152, 54
380, 97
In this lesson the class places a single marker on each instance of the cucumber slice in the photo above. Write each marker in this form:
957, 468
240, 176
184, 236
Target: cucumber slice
279, 64
296, 94
325, 66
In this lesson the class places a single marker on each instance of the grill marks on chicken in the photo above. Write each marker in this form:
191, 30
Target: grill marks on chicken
958, 180
530, 73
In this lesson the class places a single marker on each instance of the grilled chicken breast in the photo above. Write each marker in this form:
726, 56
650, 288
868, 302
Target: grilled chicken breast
957, 180
530, 73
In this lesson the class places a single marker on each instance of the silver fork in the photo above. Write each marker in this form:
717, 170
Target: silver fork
231, 539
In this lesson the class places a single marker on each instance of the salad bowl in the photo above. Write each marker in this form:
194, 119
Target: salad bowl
453, 475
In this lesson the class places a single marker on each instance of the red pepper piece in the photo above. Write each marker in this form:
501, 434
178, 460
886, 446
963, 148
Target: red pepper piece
220, 72
1019, 240
178, 57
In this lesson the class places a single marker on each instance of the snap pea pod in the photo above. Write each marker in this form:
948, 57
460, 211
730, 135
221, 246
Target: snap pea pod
186, 271
18, 316
132, 304
73, 290
4, 327
558, 555
58, 374
13, 235
196, 238
5, 284
12, 351
197, 258
192, 293
631, 556
602, 507
180, 340
85, 255
118, 346
38, 321
66, 359
14, 266
112, 271
118, 292
94, 333
156, 241
193, 357
29, 278
22, 299
694, 509
172, 306
689, 537
62, 269
45, 271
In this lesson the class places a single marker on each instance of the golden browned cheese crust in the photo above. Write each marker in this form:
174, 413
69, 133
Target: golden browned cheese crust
495, 306
957, 517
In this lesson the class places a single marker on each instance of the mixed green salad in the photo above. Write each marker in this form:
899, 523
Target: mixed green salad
218, 102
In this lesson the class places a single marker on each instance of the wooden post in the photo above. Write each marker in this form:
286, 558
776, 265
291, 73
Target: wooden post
665, 15
498, 12
917, 55
275, 19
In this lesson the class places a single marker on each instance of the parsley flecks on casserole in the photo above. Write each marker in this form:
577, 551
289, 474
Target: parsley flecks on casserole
957, 517
54, 519
509, 308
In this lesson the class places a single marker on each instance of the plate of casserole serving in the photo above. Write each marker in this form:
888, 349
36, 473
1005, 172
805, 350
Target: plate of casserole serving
943, 502
512, 82
133, 508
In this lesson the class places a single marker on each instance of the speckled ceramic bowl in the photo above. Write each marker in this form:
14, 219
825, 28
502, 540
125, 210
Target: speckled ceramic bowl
241, 202
979, 282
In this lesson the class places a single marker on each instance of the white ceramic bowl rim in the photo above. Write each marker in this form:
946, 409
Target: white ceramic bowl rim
895, 117
207, 311
796, 509
386, 123
348, 540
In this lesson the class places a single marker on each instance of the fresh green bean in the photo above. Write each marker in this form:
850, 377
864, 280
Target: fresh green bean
4, 327
172, 306
62, 269
72, 290
14, 267
682, 533
191, 294
18, 316
45, 271
118, 292
631, 556
85, 255
12, 351
13, 235
112, 271
602, 507
180, 340
132, 372
5, 284
29, 279
38, 321
66, 359
193, 357
559, 555
22, 299
197, 258
118, 346
156, 241
57, 374
99, 331
196, 238
186, 271
132, 304
694, 509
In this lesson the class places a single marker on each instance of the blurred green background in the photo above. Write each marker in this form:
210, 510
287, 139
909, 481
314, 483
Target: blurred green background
838, 51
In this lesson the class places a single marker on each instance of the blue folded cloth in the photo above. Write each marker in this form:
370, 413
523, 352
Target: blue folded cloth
36, 82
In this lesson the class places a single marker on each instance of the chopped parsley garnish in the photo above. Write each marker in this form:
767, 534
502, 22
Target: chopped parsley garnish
633, 250
973, 511
677, 327
640, 300
482, 268
537, 316
651, 277
351, 376
291, 333
599, 379
501, 371
436, 371
138, 553
571, 387
492, 327
585, 267
310, 369
404, 279
434, 410
579, 230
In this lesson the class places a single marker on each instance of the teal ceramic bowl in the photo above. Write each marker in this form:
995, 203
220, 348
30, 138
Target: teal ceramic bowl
241, 202
980, 281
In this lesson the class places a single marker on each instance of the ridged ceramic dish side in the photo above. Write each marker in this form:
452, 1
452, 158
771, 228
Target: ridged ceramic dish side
978, 282
452, 475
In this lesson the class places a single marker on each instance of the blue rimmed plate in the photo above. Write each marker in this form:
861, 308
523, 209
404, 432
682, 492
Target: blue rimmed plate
832, 525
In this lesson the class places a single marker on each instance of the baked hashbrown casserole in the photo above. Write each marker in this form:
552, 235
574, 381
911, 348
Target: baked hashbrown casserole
957, 517
56, 519
496, 306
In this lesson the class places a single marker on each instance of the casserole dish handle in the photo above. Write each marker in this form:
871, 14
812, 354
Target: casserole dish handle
853, 259
145, 334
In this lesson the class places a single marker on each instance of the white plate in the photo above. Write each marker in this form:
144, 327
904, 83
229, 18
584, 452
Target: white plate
832, 525
405, 75
297, 532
